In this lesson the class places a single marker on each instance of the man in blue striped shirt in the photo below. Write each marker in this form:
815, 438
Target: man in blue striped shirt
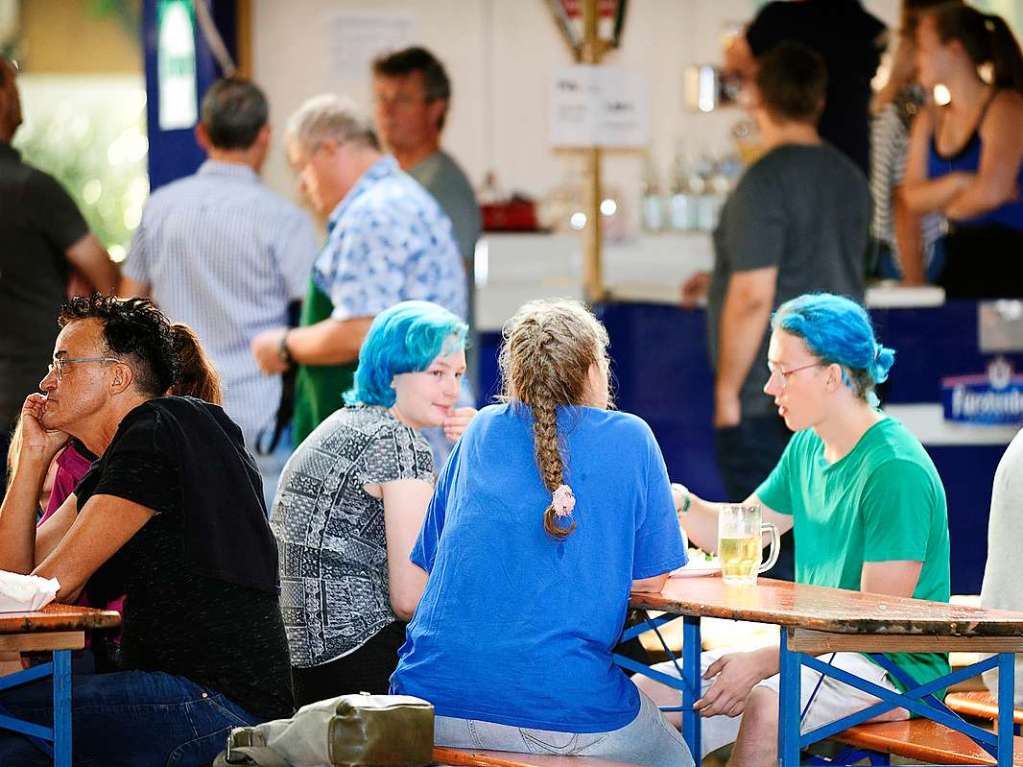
223, 253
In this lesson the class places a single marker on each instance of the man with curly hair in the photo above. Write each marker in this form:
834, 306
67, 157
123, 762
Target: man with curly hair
171, 514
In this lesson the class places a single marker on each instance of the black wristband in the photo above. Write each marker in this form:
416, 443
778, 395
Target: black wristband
283, 352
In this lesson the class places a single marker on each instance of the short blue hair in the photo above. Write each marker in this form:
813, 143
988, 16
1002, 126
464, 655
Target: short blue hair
405, 338
838, 330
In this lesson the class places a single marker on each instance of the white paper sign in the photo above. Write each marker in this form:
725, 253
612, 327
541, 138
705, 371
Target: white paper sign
599, 106
358, 37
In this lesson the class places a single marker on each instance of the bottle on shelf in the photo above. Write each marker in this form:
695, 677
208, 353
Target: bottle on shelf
706, 203
651, 202
684, 191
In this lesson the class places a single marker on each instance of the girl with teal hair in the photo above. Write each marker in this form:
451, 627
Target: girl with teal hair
353, 497
867, 509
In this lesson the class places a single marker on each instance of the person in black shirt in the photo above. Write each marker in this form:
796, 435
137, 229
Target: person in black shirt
43, 237
170, 515
851, 42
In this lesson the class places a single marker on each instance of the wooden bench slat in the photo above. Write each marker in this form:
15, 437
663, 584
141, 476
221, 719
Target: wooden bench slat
981, 705
922, 740
479, 758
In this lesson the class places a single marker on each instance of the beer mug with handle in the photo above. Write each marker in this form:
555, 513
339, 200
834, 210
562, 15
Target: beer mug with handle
740, 543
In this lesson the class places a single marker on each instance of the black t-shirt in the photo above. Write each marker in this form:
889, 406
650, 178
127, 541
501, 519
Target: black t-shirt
804, 210
850, 41
216, 633
38, 222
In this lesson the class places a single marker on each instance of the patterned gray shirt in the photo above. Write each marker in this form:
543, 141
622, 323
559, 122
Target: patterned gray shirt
330, 531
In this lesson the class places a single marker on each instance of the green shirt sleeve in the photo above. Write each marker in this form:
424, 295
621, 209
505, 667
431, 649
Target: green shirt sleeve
896, 507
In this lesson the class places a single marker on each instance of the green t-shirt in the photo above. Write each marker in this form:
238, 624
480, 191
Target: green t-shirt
882, 502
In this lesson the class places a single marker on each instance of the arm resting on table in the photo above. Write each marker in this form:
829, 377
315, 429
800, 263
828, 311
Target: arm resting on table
701, 520
99, 531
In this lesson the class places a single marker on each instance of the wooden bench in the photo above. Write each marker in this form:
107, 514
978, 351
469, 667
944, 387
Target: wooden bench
981, 705
922, 740
461, 758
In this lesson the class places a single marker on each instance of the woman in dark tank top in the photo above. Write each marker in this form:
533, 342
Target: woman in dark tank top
966, 156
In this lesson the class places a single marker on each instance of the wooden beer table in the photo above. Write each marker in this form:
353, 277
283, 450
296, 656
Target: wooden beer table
59, 629
816, 620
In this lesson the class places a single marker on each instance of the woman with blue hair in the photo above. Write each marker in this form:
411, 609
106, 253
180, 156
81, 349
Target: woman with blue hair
867, 510
352, 499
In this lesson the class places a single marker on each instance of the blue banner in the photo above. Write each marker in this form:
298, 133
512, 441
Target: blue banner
994, 398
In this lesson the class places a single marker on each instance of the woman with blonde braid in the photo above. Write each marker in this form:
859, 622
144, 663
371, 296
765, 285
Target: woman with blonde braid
549, 510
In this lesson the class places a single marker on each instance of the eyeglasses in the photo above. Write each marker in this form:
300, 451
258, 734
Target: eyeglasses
777, 372
60, 363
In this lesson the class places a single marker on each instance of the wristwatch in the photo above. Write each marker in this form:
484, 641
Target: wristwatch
283, 352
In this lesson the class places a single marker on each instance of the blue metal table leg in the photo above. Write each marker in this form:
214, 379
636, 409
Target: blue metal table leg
1006, 688
692, 648
62, 708
788, 713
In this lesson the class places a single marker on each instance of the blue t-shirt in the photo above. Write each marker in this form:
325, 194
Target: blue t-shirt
515, 627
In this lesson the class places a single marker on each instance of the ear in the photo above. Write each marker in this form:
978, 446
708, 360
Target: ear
202, 138
834, 376
330, 146
263, 137
122, 379
436, 109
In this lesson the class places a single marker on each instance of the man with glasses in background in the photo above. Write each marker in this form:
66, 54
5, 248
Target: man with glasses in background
411, 97
43, 238
798, 222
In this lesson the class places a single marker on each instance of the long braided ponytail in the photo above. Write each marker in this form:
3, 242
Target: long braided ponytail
548, 351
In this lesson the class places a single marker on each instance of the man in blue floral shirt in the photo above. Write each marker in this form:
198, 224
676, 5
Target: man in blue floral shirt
388, 241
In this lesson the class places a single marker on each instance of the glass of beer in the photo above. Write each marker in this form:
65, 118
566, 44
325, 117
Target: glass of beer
741, 543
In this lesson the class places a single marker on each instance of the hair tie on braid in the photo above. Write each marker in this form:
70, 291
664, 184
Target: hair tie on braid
563, 501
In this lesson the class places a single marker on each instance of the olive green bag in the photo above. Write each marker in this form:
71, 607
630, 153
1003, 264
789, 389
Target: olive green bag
349, 731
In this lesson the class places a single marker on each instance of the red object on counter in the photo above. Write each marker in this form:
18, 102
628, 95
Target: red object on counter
510, 216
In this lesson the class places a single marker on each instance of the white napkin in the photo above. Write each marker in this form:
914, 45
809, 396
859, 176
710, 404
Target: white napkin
25, 593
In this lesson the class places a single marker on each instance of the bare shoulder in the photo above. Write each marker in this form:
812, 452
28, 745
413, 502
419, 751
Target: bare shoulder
1006, 105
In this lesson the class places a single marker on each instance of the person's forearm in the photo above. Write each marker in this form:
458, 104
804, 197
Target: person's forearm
700, 521
927, 196
18, 517
743, 324
93, 260
977, 198
328, 342
767, 658
909, 242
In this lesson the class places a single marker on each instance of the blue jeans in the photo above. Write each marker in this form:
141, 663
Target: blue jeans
129, 718
648, 740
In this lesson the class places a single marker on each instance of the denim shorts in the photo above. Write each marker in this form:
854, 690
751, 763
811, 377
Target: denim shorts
648, 740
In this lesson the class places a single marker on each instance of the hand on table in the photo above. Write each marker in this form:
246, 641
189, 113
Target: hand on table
266, 349
457, 422
735, 675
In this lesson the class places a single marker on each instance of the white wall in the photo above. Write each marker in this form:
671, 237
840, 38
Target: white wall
501, 55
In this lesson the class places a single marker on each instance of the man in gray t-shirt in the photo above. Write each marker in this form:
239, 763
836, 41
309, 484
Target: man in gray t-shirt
411, 96
798, 222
